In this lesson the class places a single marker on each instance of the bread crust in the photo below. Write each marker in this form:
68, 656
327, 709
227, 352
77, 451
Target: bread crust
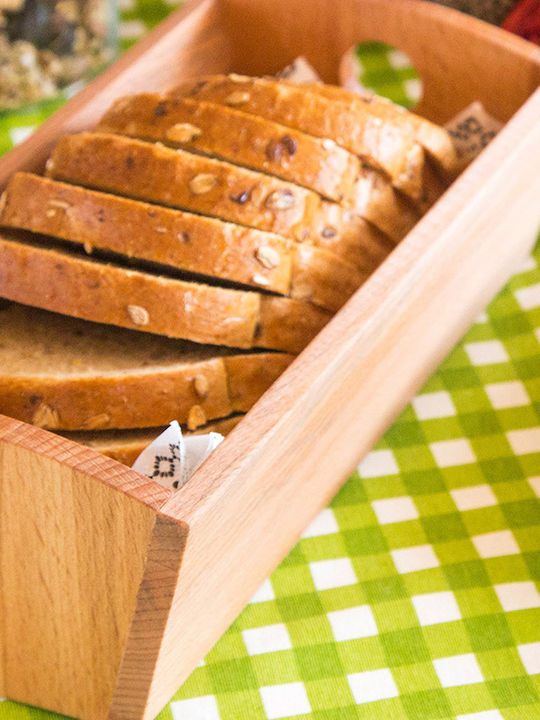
182, 240
64, 282
261, 144
238, 137
176, 178
152, 233
435, 140
384, 144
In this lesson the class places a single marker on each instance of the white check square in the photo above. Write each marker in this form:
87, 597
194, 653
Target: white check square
486, 352
433, 405
373, 685
448, 453
530, 657
264, 593
352, 623
507, 394
472, 498
378, 463
324, 524
198, 708
281, 701
524, 442
413, 559
534, 482
496, 544
484, 715
518, 595
458, 670
266, 639
328, 574
392, 510
435, 608
528, 297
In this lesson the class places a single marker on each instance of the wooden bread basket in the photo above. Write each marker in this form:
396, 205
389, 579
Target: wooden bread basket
111, 590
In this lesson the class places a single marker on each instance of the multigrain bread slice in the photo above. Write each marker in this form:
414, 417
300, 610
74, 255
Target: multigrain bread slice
435, 140
235, 136
125, 446
178, 240
348, 235
146, 171
261, 144
63, 281
384, 144
63, 373
184, 180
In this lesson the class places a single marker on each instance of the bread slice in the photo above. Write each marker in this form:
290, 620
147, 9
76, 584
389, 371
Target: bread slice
183, 180
384, 144
62, 281
261, 144
179, 240
63, 373
378, 202
183, 240
230, 134
435, 140
125, 446
348, 235
107, 162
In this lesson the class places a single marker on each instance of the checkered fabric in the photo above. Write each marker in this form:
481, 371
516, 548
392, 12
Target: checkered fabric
416, 594
388, 72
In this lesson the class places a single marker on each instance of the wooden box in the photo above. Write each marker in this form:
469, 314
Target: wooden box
111, 590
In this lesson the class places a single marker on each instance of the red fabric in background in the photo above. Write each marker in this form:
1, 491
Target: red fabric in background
524, 20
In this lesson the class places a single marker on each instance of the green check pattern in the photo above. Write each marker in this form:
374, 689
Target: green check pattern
388, 72
416, 594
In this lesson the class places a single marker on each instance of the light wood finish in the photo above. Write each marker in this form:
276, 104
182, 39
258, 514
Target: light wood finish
289, 455
73, 540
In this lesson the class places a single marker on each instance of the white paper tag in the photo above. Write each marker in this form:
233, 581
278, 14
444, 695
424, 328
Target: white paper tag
472, 129
171, 459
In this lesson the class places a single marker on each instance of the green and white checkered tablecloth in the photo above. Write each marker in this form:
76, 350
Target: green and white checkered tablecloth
416, 594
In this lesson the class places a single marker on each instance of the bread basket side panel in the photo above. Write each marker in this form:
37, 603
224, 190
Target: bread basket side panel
72, 553
459, 58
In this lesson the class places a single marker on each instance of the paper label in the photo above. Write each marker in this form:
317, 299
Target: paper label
171, 459
472, 129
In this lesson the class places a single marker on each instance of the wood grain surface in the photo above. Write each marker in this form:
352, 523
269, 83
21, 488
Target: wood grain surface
96, 547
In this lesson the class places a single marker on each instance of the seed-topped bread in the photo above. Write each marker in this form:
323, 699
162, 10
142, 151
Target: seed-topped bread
62, 281
183, 180
384, 144
230, 134
161, 175
63, 373
178, 240
261, 144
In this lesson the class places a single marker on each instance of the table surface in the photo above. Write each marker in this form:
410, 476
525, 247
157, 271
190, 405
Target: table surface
416, 594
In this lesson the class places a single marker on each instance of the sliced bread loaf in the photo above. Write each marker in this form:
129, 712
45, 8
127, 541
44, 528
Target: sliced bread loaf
152, 172
180, 179
125, 446
63, 281
387, 145
230, 134
64, 373
178, 240
261, 144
